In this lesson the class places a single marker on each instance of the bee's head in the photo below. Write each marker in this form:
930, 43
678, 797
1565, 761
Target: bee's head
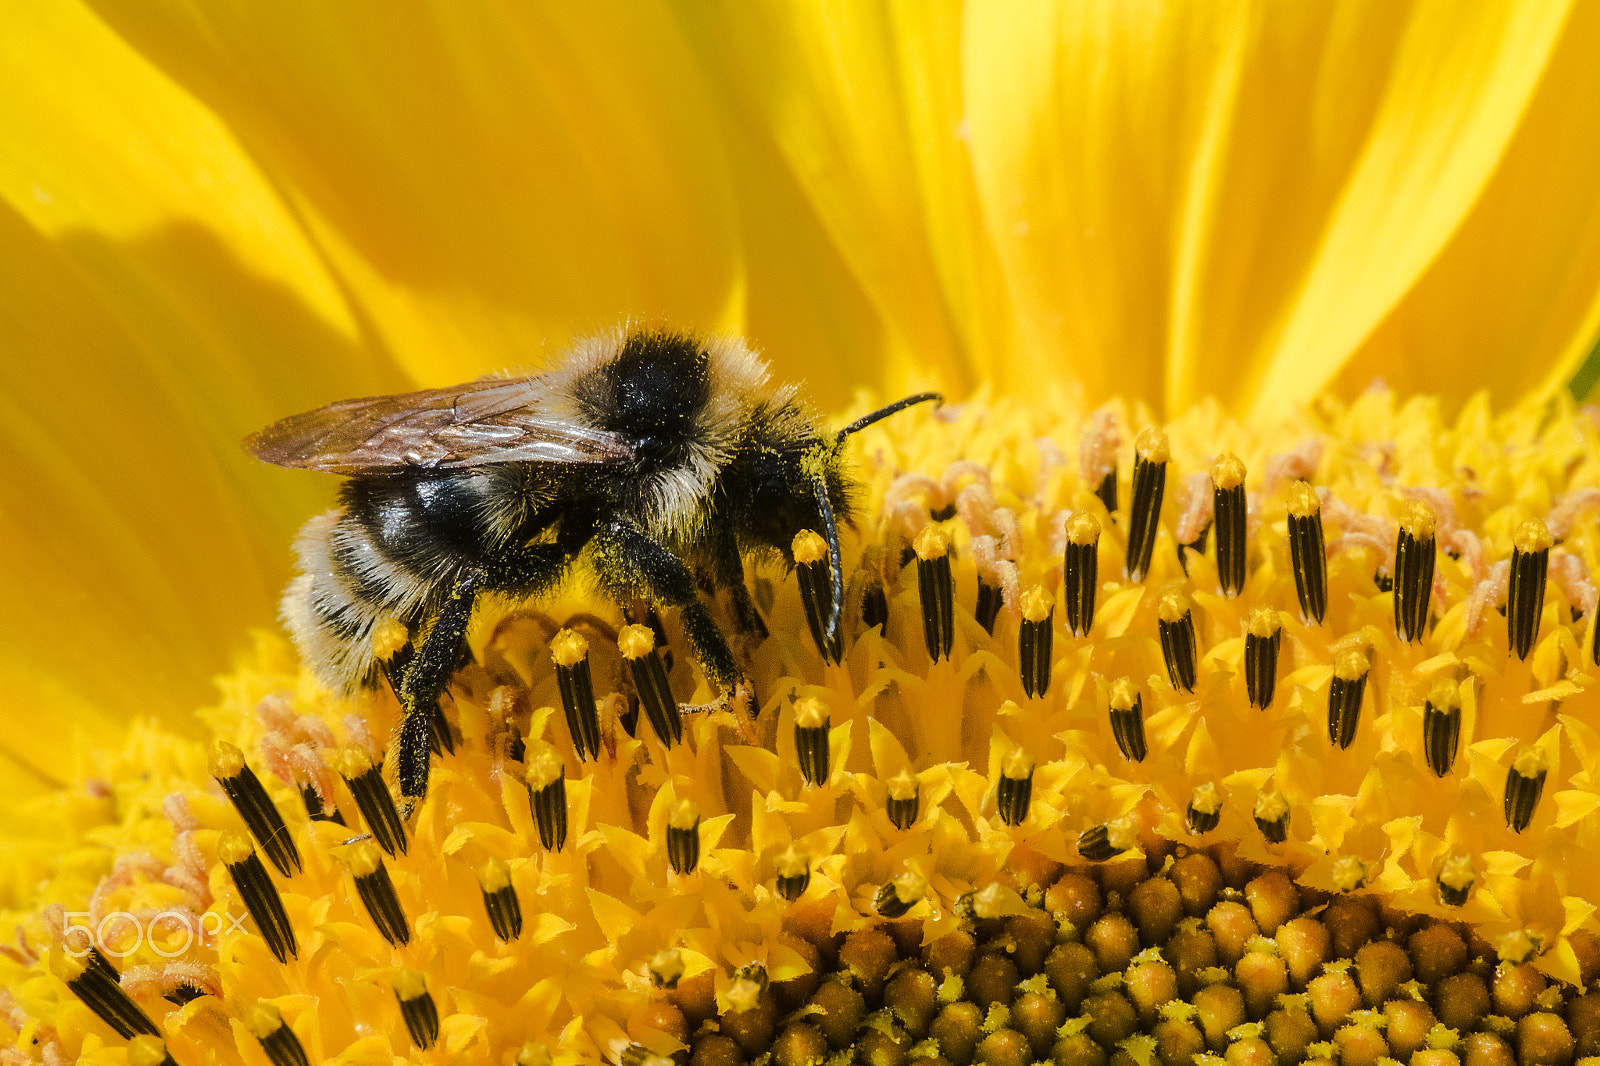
794, 479
776, 478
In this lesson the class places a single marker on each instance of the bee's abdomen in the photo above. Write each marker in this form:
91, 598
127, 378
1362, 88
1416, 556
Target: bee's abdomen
395, 547
426, 527
349, 583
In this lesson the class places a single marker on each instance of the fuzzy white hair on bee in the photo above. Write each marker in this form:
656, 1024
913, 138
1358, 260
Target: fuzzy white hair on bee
657, 458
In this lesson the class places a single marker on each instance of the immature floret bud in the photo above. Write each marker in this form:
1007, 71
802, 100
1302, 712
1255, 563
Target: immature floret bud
1218, 1008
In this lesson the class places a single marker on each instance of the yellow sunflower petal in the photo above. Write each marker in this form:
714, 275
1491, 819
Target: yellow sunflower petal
1088, 124
1513, 295
1461, 83
1230, 199
485, 180
863, 105
160, 302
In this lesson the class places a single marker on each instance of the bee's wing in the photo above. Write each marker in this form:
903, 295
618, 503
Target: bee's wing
493, 420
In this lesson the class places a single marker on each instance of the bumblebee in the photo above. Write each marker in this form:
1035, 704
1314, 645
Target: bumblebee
658, 459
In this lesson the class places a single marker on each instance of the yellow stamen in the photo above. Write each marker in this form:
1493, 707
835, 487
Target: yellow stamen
372, 796
280, 1043
1035, 640
902, 799
1081, 571
250, 799
259, 894
417, 1008
1151, 453
1015, 788
638, 646
1230, 514
1345, 692
794, 873
811, 739
814, 573
1307, 551
1127, 719
570, 653
1263, 638
148, 1051
1530, 562
500, 900
547, 795
683, 837
1414, 556
935, 591
377, 892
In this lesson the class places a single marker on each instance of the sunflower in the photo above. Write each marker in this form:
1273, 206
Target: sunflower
1176, 714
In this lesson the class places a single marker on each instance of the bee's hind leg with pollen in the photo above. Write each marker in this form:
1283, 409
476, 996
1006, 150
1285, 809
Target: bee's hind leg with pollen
425, 671
422, 682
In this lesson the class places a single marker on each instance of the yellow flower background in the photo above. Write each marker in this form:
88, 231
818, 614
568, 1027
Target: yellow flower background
216, 214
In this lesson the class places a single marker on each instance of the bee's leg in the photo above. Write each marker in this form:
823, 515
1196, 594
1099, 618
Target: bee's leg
394, 669
531, 570
425, 680
730, 575
629, 560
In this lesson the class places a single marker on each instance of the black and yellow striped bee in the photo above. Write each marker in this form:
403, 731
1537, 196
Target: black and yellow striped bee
659, 459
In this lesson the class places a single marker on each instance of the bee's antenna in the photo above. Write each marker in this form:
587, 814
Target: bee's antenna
884, 412
819, 486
